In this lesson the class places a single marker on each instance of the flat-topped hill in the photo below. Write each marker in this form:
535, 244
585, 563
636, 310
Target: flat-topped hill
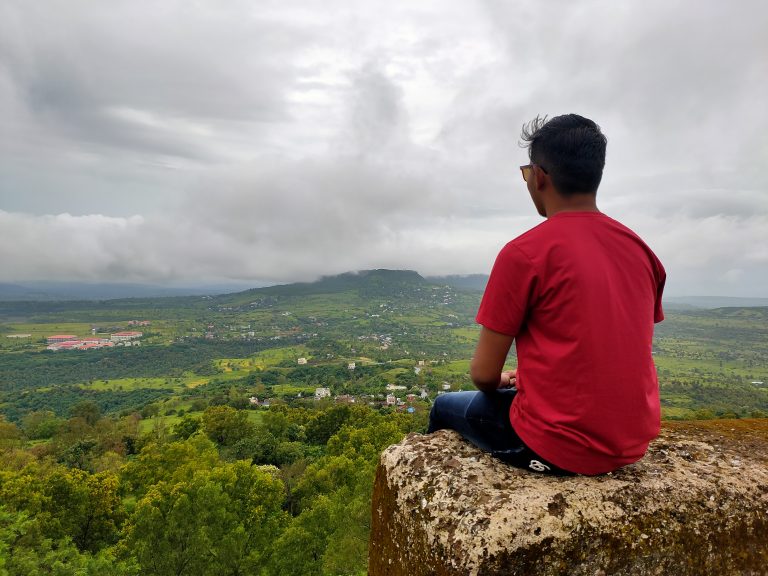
697, 504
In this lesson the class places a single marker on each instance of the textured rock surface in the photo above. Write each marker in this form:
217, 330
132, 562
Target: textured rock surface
696, 504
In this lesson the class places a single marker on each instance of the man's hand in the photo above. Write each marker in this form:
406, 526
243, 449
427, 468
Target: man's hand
508, 379
489, 359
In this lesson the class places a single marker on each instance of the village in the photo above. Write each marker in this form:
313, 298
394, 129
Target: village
403, 402
73, 342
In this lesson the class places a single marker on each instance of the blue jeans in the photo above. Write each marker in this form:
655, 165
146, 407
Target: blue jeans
482, 418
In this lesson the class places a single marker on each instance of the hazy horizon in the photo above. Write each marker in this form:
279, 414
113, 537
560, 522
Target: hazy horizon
228, 143
133, 289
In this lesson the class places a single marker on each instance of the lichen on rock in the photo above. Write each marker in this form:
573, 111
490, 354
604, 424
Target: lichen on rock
696, 504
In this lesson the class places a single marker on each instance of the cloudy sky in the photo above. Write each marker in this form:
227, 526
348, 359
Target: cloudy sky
185, 142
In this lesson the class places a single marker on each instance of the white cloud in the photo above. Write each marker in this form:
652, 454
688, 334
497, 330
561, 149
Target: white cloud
280, 141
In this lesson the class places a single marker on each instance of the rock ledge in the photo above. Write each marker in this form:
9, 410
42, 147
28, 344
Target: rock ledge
697, 504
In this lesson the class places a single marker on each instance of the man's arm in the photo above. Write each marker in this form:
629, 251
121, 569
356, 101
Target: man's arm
489, 359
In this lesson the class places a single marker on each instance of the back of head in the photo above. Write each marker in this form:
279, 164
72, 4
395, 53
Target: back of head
570, 148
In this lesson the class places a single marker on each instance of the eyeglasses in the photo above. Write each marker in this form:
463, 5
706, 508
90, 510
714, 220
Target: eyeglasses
527, 170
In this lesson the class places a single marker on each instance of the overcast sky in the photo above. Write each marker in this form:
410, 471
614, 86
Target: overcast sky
270, 141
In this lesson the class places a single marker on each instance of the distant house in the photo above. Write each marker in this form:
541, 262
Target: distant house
351, 366
391, 400
345, 399
90, 345
395, 387
446, 386
322, 393
66, 345
301, 361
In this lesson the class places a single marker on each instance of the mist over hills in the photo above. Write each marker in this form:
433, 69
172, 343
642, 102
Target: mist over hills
369, 281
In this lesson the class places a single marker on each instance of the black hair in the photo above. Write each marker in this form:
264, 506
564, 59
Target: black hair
570, 148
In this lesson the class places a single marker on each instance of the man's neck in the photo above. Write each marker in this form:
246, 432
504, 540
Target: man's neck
576, 203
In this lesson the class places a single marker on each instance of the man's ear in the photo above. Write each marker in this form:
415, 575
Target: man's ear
541, 177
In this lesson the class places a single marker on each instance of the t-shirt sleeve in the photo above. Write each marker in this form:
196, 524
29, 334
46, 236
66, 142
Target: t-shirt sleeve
509, 292
658, 314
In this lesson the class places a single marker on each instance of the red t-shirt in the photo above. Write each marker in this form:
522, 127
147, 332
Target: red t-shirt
580, 293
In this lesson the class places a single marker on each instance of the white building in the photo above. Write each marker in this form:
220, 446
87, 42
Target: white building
301, 361
322, 393
125, 336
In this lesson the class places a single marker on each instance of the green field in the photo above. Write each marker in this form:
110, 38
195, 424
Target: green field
249, 343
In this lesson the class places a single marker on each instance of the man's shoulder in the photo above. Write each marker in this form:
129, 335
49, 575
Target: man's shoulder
567, 233
553, 227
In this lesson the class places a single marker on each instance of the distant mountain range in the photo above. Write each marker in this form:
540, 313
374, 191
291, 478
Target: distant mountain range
462, 282
680, 302
363, 279
367, 280
41, 291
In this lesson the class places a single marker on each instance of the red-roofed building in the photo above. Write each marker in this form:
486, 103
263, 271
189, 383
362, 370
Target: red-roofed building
85, 344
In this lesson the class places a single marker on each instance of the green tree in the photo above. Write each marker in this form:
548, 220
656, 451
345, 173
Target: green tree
84, 507
10, 435
299, 550
40, 424
259, 448
185, 427
225, 425
288, 452
326, 423
88, 410
171, 462
26, 551
79, 454
221, 521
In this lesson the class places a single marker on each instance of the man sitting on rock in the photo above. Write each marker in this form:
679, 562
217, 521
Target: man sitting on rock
579, 295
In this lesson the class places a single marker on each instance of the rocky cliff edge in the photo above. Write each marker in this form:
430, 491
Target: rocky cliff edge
697, 504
